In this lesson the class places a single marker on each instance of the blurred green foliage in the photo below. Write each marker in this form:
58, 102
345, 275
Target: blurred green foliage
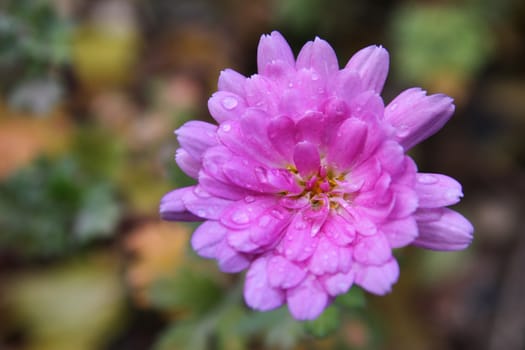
33, 39
62, 209
432, 40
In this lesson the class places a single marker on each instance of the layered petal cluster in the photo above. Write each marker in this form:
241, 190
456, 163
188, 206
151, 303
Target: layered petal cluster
305, 181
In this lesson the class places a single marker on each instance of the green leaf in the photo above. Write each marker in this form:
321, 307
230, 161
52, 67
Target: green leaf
325, 324
187, 290
183, 335
354, 298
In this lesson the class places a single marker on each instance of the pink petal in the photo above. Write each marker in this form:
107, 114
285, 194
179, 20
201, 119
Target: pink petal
448, 231
263, 93
231, 81
436, 190
230, 260
172, 207
406, 201
347, 144
372, 250
282, 273
243, 213
372, 65
378, 279
339, 283
225, 106
196, 137
311, 128
258, 294
299, 243
221, 189
207, 237
330, 258
308, 300
416, 116
274, 53
281, 133
306, 158
401, 232
320, 56
187, 163
204, 205
338, 229
346, 85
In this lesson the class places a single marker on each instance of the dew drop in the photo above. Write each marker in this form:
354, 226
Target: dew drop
300, 225
393, 106
427, 179
229, 103
402, 131
290, 85
264, 221
260, 172
320, 91
201, 213
277, 214
226, 127
249, 199
240, 217
315, 77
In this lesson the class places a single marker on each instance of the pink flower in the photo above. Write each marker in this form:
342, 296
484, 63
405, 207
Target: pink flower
305, 181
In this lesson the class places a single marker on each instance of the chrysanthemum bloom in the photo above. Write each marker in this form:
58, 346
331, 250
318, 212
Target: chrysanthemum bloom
305, 180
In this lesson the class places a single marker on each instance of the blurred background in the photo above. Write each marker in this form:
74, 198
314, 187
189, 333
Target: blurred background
90, 93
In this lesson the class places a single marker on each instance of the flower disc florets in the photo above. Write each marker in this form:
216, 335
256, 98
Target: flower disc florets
305, 181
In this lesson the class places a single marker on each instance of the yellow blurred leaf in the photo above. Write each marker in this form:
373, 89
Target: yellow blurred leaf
23, 138
158, 248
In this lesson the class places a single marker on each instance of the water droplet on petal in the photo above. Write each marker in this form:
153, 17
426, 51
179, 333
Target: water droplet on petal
201, 213
290, 85
249, 199
393, 106
427, 179
300, 225
240, 217
277, 214
264, 221
402, 131
260, 172
229, 103
226, 127
315, 77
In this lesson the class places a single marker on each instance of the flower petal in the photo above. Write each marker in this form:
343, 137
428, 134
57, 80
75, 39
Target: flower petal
258, 293
308, 300
282, 273
339, 283
372, 65
347, 144
187, 163
281, 133
231, 81
416, 116
400, 232
196, 137
449, 230
299, 243
320, 56
306, 158
204, 205
372, 250
338, 229
378, 279
274, 52
436, 190
172, 207
225, 105
207, 238
208, 241
330, 258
